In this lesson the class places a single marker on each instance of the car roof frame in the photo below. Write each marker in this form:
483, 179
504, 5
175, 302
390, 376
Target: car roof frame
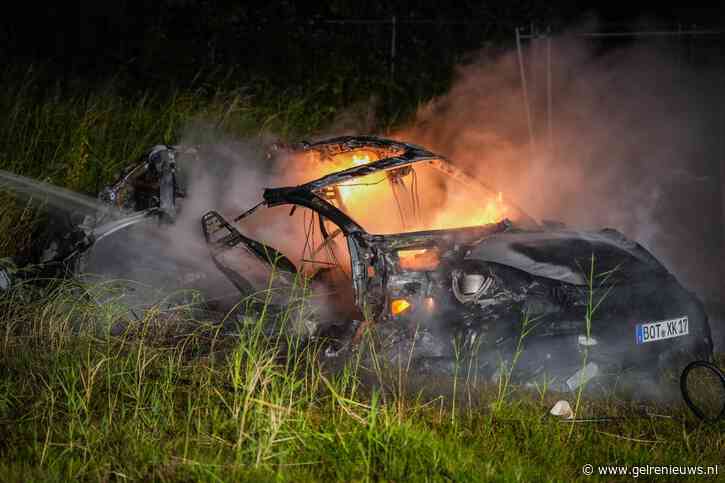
305, 195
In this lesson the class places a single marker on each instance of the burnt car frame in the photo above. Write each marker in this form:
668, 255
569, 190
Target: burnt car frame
540, 293
541, 296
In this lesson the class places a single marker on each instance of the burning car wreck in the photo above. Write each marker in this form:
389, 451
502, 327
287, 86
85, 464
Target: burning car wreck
438, 266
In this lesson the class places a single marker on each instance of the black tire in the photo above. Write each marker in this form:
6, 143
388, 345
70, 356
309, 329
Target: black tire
688, 385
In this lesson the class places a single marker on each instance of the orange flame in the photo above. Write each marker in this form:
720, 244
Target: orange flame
374, 203
424, 259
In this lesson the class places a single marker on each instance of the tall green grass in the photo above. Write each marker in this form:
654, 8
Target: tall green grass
172, 399
79, 136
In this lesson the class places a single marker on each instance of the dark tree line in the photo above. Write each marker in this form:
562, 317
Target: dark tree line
341, 45
275, 40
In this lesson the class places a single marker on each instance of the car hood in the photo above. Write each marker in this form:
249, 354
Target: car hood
566, 255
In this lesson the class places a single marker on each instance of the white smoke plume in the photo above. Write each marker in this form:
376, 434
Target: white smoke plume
633, 143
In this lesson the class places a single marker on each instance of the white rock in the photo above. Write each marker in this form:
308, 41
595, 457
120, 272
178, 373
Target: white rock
562, 409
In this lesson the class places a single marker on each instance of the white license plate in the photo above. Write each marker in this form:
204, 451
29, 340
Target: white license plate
662, 329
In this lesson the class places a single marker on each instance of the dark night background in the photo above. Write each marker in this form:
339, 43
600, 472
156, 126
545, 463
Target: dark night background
283, 43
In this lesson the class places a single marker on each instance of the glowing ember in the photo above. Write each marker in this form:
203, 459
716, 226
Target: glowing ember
398, 306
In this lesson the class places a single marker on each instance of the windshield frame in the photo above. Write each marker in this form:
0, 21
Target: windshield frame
410, 154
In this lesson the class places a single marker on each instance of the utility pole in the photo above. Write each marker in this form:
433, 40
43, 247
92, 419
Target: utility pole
525, 96
393, 41
549, 126
720, 179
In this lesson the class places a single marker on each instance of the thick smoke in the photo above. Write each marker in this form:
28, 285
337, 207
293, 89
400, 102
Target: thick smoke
632, 143
225, 175
229, 176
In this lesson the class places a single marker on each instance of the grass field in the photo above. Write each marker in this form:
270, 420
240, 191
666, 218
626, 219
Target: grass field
171, 399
